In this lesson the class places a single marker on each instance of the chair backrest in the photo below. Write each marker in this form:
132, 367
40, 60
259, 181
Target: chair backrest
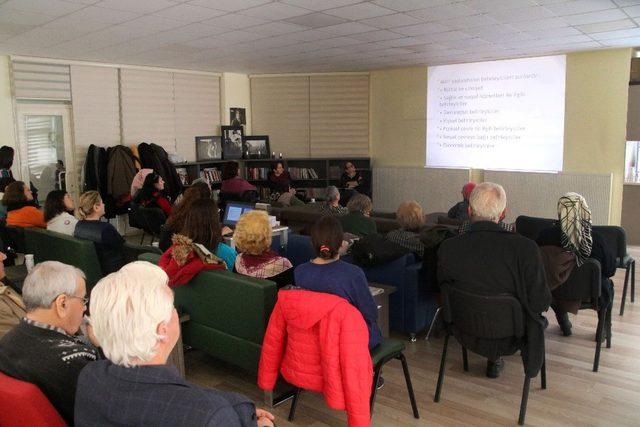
23, 404
529, 226
152, 219
135, 220
482, 316
583, 284
12, 237
615, 238
299, 249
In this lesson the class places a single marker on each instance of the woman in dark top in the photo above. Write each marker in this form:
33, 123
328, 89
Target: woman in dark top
109, 243
280, 183
573, 234
358, 220
152, 194
232, 182
327, 273
6, 161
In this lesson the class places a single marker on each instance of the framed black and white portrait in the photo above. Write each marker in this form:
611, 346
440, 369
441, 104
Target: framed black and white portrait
232, 142
256, 147
208, 148
237, 116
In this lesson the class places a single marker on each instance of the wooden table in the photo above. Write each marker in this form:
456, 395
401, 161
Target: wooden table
380, 293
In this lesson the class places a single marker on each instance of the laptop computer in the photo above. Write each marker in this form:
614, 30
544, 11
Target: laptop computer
233, 211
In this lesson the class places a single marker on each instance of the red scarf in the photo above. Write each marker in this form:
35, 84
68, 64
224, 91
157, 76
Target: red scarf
182, 274
254, 261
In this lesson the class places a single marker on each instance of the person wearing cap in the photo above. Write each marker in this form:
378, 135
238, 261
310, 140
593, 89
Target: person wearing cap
460, 210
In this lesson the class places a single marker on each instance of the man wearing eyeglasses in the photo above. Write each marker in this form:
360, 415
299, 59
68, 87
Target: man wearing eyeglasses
43, 348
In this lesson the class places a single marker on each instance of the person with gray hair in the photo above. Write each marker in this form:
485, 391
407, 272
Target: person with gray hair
331, 206
135, 379
358, 221
43, 348
490, 260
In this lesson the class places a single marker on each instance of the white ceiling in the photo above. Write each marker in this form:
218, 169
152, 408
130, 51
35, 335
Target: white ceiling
266, 36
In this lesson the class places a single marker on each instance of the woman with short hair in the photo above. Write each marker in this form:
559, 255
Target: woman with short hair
411, 219
22, 210
58, 212
327, 273
332, 204
358, 220
109, 243
252, 237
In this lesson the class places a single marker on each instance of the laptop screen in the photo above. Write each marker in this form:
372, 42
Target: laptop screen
234, 211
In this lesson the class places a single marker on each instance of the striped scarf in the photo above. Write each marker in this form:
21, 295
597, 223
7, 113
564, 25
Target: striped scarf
575, 224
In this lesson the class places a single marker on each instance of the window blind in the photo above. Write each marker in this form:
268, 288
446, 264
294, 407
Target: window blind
197, 110
34, 80
147, 108
339, 116
280, 109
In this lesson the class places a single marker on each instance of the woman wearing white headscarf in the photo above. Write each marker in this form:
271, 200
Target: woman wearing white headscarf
572, 235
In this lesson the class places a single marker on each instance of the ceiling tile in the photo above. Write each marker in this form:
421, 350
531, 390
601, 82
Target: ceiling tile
600, 27
633, 11
539, 24
375, 36
485, 6
391, 21
73, 24
320, 5
274, 11
439, 13
624, 3
492, 30
99, 14
515, 37
150, 24
580, 6
414, 30
448, 36
139, 6
21, 17
521, 14
229, 5
556, 32
593, 17
316, 20
189, 13
347, 28
275, 28
631, 41
234, 21
360, 11
467, 44
407, 5
467, 22
405, 41
47, 7
308, 35
8, 29
620, 34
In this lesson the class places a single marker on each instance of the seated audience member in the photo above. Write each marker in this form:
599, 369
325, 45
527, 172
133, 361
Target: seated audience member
202, 225
489, 260
184, 260
134, 386
138, 181
21, 208
327, 273
197, 190
280, 182
109, 243
12, 307
332, 205
253, 240
58, 212
411, 219
358, 220
231, 181
4, 181
353, 180
460, 210
574, 236
43, 349
152, 194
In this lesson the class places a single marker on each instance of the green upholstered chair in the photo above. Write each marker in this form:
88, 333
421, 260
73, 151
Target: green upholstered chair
228, 314
51, 246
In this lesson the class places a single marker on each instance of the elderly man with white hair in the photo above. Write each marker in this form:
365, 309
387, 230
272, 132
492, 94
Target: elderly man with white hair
134, 320
43, 348
490, 260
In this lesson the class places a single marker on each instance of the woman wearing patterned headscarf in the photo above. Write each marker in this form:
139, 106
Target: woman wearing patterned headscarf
572, 235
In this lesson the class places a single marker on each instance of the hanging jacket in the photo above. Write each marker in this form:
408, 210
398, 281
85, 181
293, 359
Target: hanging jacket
319, 342
121, 169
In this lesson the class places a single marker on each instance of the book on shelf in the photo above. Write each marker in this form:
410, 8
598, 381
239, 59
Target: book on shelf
183, 175
303, 173
257, 173
211, 175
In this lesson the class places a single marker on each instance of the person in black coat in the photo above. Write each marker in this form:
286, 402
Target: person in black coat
573, 234
489, 260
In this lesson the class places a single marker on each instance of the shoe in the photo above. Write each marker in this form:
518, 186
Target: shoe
380, 383
565, 324
494, 368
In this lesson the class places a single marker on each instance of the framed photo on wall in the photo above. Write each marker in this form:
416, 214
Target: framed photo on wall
256, 147
232, 137
208, 148
237, 116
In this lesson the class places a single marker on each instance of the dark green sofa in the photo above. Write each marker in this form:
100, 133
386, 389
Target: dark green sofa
228, 314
